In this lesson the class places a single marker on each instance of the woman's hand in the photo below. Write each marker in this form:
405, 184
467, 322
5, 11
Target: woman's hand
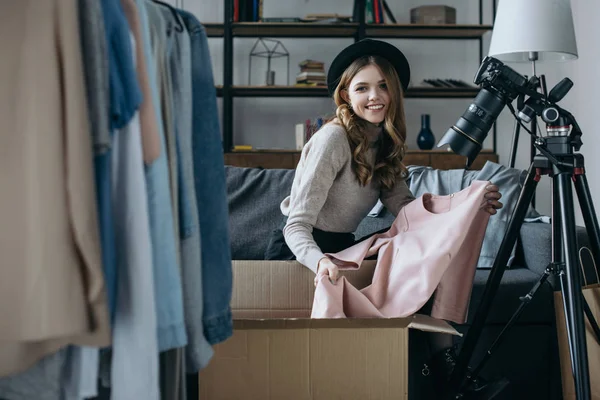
492, 197
327, 267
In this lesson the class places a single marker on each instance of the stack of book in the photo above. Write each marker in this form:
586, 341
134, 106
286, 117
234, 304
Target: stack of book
312, 73
376, 12
247, 10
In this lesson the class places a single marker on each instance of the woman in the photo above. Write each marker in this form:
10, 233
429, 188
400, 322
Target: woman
351, 162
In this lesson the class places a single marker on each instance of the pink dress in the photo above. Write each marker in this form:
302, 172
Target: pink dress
432, 246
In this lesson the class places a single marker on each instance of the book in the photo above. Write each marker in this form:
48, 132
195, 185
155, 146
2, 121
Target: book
300, 136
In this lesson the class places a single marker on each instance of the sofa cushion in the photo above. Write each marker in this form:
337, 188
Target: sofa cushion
516, 282
254, 196
374, 224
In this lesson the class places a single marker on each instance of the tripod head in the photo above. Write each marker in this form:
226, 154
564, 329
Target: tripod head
563, 134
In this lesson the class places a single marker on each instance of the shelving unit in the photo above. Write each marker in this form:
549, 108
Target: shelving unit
358, 31
302, 91
396, 31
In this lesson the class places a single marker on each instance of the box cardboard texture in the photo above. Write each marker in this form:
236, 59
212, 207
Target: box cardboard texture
278, 352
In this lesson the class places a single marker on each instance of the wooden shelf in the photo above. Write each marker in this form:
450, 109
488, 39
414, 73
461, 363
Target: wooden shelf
275, 91
348, 30
288, 159
415, 31
294, 91
214, 29
432, 93
298, 30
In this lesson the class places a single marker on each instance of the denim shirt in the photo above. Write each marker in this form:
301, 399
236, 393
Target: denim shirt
125, 93
124, 99
167, 278
209, 170
198, 351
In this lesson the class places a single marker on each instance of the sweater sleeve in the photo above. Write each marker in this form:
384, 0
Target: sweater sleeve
323, 157
397, 197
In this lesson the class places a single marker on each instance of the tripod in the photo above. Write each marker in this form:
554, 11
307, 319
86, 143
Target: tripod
558, 160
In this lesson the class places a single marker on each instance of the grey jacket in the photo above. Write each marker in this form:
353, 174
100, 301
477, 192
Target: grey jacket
510, 182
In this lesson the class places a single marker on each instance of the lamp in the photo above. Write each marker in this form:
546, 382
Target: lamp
530, 31
270, 49
533, 30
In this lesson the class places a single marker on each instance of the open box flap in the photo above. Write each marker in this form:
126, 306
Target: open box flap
430, 324
417, 321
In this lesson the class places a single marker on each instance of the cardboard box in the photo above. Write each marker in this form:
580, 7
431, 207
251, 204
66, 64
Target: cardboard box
433, 15
278, 352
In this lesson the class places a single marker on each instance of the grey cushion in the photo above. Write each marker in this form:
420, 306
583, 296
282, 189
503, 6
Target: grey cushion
374, 224
536, 240
254, 196
516, 282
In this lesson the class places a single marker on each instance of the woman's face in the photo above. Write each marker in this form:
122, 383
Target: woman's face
368, 94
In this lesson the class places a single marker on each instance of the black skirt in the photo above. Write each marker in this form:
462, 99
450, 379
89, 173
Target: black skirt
328, 242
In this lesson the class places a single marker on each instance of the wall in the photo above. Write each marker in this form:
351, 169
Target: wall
581, 100
269, 122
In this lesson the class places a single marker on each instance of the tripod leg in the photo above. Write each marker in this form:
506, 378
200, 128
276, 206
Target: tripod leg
525, 300
515, 143
534, 124
510, 237
589, 215
571, 289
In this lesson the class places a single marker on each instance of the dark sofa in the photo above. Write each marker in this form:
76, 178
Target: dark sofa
528, 355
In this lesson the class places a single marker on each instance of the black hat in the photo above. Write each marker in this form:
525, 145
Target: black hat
368, 47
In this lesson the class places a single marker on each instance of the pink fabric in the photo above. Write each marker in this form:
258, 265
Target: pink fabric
434, 243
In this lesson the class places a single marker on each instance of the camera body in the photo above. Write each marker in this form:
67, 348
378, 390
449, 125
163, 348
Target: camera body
505, 81
500, 85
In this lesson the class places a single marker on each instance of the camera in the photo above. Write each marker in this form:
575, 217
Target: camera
500, 86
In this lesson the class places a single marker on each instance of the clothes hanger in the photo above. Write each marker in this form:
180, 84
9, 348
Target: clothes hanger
179, 27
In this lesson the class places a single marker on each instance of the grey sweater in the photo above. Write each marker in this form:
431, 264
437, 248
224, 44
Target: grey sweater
326, 195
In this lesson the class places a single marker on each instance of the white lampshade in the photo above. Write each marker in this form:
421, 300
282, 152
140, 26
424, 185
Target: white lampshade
542, 26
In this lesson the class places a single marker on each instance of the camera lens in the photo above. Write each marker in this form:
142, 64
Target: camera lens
467, 135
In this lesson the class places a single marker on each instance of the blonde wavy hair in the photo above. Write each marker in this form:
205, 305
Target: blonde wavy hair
388, 164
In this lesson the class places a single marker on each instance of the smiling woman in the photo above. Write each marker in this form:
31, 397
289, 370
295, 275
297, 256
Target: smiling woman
353, 161
369, 102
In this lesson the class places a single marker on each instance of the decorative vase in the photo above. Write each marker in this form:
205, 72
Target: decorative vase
425, 139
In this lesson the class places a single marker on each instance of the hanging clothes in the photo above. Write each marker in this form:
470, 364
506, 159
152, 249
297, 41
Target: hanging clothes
124, 97
43, 381
94, 49
432, 246
209, 170
166, 32
72, 373
132, 82
150, 135
198, 351
134, 364
52, 290
161, 39
167, 278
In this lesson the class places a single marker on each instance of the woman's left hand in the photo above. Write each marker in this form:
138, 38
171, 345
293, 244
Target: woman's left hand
492, 197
